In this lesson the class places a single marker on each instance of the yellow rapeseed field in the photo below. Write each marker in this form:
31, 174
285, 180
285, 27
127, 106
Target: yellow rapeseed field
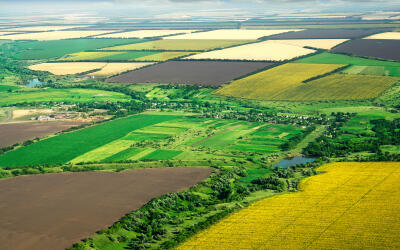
350, 206
262, 51
273, 84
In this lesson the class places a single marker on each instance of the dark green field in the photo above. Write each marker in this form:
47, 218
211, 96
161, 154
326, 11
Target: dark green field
52, 49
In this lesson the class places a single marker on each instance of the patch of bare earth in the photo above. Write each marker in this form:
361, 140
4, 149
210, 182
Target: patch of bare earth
53, 211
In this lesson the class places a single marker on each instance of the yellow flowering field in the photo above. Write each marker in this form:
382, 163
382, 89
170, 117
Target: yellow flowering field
349, 206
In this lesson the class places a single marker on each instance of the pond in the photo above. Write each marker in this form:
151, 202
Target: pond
288, 162
34, 82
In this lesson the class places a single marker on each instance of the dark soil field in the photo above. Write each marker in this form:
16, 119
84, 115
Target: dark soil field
330, 33
53, 211
384, 49
11, 133
204, 73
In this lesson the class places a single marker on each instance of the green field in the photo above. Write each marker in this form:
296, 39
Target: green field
6, 88
28, 50
276, 83
63, 148
161, 154
358, 65
180, 45
32, 95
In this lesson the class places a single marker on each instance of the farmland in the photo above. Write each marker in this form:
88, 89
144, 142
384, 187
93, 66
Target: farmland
198, 73
124, 56
352, 205
330, 33
145, 33
180, 44
45, 28
67, 68
60, 95
79, 142
262, 51
232, 34
386, 35
80, 194
57, 48
313, 43
117, 68
358, 64
383, 48
11, 133
55, 35
273, 84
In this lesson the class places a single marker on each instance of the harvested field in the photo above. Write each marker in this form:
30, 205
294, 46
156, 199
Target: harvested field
386, 35
117, 68
314, 43
11, 133
273, 84
20, 113
330, 33
145, 33
349, 206
124, 56
52, 49
382, 48
230, 34
163, 56
180, 44
67, 68
55, 35
262, 51
190, 72
44, 28
54, 211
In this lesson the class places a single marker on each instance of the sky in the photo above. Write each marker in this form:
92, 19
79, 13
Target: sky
158, 7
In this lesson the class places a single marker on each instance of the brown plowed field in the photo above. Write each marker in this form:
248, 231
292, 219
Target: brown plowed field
204, 73
53, 211
377, 48
11, 133
330, 33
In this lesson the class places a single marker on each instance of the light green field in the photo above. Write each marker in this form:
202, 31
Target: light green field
161, 154
359, 65
180, 45
32, 95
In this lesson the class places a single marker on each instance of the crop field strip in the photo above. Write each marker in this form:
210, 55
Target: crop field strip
386, 35
190, 72
125, 56
145, 33
329, 33
261, 51
180, 45
313, 43
230, 34
358, 64
80, 203
351, 205
67, 146
375, 48
29, 95
27, 50
55, 35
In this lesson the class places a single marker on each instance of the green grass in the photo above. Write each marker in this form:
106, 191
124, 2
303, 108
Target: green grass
371, 66
31, 95
253, 174
161, 154
135, 136
53, 49
6, 88
63, 148
124, 155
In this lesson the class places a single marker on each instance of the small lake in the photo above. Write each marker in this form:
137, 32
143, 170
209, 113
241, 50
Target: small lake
288, 162
34, 82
